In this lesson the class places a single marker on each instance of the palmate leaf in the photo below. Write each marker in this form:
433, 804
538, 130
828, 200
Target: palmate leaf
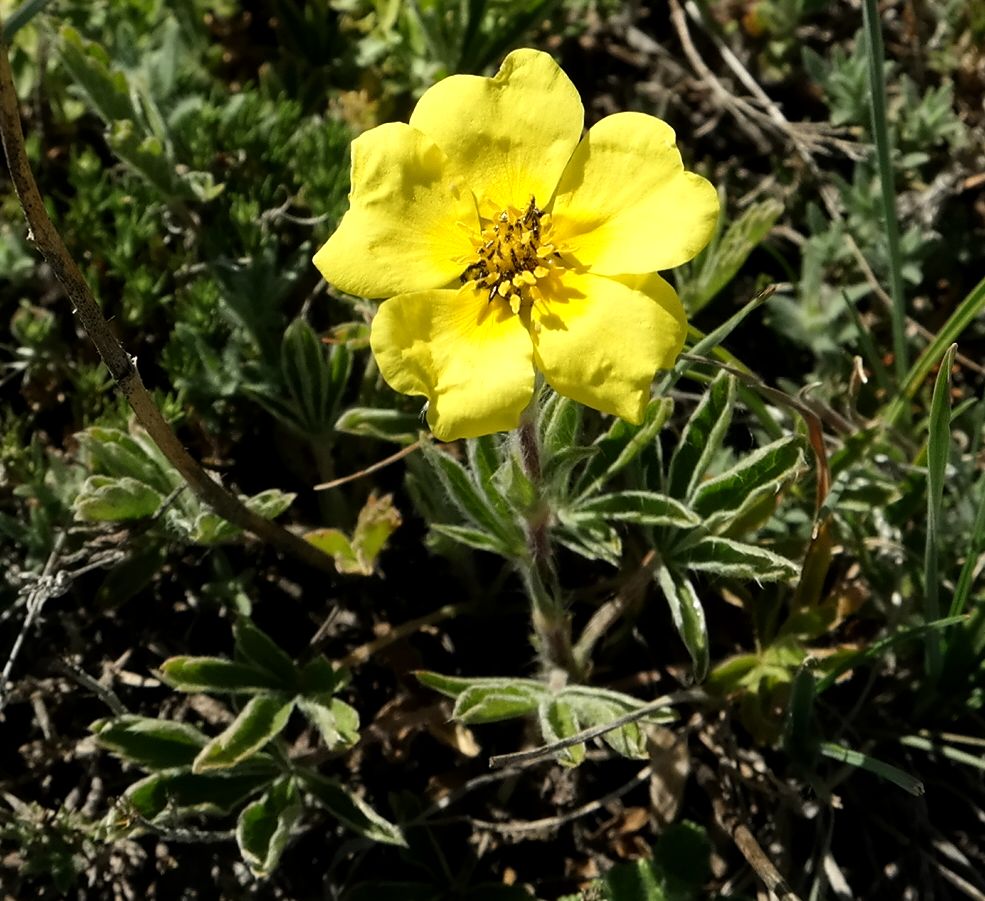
116, 453
314, 377
473, 501
473, 538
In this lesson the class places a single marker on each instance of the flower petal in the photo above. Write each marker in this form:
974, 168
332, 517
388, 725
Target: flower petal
509, 136
600, 340
400, 233
625, 204
472, 359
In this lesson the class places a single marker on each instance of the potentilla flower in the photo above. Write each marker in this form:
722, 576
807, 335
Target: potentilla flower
507, 242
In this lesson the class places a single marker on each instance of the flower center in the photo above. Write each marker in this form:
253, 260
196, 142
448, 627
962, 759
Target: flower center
512, 255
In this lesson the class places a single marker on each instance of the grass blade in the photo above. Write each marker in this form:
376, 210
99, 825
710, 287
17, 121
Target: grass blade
967, 311
976, 546
947, 751
880, 132
938, 446
882, 769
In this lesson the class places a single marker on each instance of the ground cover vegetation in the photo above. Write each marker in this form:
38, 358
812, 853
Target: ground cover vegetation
732, 650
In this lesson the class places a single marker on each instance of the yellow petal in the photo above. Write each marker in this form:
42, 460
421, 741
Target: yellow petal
600, 340
472, 360
401, 232
507, 137
625, 203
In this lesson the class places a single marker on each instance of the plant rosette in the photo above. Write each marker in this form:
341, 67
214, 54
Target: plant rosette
504, 242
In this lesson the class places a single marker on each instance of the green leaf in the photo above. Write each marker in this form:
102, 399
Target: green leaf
386, 425
485, 461
644, 508
450, 686
736, 560
307, 372
474, 538
838, 664
720, 262
875, 57
938, 448
485, 700
88, 64
259, 722
116, 453
599, 706
799, 740
209, 528
216, 674
864, 761
319, 677
702, 437
259, 650
108, 499
966, 313
377, 521
623, 443
558, 721
594, 540
150, 743
489, 704
559, 424
352, 810
471, 501
179, 791
730, 494
337, 545
688, 616
336, 721
264, 827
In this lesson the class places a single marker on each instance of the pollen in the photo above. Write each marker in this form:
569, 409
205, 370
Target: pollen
512, 254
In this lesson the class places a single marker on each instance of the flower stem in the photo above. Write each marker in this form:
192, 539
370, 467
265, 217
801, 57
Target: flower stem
551, 623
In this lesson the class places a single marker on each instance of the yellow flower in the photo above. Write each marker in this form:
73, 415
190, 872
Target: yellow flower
507, 242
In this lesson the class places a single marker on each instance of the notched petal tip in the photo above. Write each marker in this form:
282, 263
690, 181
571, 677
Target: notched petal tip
401, 230
625, 202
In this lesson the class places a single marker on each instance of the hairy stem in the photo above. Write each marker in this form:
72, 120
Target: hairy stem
121, 365
551, 623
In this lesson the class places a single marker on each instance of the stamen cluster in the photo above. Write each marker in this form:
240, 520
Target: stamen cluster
512, 255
